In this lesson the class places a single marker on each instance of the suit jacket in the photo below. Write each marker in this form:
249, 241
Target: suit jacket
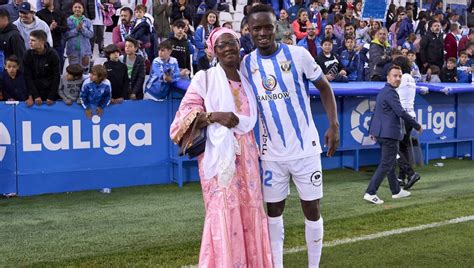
386, 121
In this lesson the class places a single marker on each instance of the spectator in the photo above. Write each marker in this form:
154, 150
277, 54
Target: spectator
71, 83
96, 91
410, 42
314, 15
283, 27
432, 47
310, 42
334, 9
421, 27
349, 30
338, 26
350, 59
142, 27
165, 70
449, 73
28, 22
415, 71
405, 28
301, 25
181, 10
432, 74
451, 42
470, 52
122, 30
464, 68
78, 35
181, 48
161, 14
207, 61
98, 26
466, 39
294, 11
329, 34
227, 25
57, 24
11, 42
42, 72
13, 9
117, 74
12, 81
404, 51
324, 19
362, 33
470, 15
246, 44
358, 10
135, 68
379, 55
208, 22
287, 41
391, 17
349, 15
330, 65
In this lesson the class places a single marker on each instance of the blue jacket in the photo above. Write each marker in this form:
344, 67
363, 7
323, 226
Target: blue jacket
406, 28
12, 10
155, 85
463, 76
200, 37
142, 30
304, 43
93, 94
71, 36
386, 120
246, 45
350, 60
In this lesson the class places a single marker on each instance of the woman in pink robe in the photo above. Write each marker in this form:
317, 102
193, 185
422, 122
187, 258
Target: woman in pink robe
235, 227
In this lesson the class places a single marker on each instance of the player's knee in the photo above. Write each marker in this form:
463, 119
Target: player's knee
311, 209
275, 209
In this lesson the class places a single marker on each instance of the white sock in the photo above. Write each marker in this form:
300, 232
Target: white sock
314, 241
277, 236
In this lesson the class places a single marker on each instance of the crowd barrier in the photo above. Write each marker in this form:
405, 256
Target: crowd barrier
50, 149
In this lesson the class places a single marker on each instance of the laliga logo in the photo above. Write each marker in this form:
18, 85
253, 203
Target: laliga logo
360, 120
4, 140
113, 135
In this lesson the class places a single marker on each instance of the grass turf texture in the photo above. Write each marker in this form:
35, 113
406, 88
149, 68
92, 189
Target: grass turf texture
162, 225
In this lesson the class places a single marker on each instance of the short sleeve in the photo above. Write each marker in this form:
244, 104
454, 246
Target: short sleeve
311, 69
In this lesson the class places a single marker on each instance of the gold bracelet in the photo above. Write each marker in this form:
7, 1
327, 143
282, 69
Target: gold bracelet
208, 118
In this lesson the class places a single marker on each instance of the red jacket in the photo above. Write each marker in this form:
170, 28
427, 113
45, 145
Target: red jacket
450, 46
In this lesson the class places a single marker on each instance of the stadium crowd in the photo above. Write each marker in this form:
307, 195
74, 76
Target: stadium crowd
167, 40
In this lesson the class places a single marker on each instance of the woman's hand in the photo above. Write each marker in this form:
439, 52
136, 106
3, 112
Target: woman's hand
227, 119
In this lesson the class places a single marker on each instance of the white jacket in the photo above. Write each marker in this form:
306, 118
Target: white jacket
26, 29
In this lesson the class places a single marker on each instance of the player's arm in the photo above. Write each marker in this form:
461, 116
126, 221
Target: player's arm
331, 138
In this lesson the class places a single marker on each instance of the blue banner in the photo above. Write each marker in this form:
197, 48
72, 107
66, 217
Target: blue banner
60, 150
7, 149
375, 9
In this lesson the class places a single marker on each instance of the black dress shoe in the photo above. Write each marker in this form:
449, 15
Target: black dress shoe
413, 179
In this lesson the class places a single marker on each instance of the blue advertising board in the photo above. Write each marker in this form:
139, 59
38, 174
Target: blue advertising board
7, 149
60, 150
375, 9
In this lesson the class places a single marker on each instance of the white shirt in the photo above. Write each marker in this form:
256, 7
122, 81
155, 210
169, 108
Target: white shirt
280, 83
407, 92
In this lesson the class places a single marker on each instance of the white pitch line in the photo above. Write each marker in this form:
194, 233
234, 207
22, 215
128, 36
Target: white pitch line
386, 233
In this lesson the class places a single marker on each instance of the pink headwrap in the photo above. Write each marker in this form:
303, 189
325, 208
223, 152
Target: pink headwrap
211, 40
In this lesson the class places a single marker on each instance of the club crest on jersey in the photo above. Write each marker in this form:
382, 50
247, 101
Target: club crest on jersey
285, 66
269, 82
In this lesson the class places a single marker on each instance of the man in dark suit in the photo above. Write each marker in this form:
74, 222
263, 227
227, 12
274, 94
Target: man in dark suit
388, 129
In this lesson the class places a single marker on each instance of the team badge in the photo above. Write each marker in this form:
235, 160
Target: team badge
285, 66
316, 178
269, 83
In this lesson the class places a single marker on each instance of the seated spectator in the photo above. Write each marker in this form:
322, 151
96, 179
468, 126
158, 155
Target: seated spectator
12, 81
135, 68
283, 26
78, 35
117, 74
96, 91
71, 83
246, 45
310, 42
208, 23
28, 22
301, 25
330, 65
449, 73
11, 42
379, 55
415, 71
350, 59
12, 8
42, 72
164, 71
432, 74
464, 68
329, 34
181, 48
207, 61
122, 30
142, 27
